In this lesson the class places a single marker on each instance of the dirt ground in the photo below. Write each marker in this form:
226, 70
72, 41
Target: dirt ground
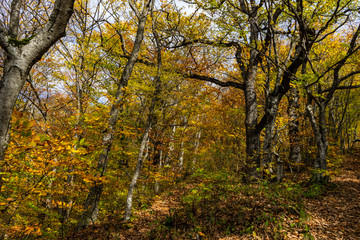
337, 214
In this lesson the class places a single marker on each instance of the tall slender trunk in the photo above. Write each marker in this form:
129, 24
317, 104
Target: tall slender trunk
182, 152
90, 213
156, 161
150, 120
343, 113
65, 211
171, 147
196, 147
139, 164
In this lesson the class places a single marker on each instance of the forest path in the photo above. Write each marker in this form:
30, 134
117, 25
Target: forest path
336, 215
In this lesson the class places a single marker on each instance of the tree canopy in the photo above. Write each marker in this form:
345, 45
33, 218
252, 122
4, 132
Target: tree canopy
108, 106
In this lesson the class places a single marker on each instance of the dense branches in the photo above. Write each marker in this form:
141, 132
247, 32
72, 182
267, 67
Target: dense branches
142, 97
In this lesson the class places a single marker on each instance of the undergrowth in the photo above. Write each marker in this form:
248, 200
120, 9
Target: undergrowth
217, 205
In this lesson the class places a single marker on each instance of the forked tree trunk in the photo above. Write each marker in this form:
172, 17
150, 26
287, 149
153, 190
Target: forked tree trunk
21, 55
249, 74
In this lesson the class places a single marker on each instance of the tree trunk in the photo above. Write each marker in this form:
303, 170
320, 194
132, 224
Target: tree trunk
271, 107
171, 147
22, 55
90, 213
320, 133
10, 87
252, 135
196, 149
140, 161
182, 152
295, 150
279, 168
157, 159
151, 117
267, 158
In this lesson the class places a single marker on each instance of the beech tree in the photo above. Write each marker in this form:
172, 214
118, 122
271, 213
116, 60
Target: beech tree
22, 52
251, 49
149, 122
146, 109
322, 99
90, 213
256, 32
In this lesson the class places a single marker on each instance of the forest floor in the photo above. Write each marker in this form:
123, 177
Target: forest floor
205, 208
336, 215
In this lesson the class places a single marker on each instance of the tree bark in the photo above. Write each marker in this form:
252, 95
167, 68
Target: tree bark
149, 123
139, 164
271, 107
21, 55
295, 149
320, 133
252, 135
90, 213
320, 128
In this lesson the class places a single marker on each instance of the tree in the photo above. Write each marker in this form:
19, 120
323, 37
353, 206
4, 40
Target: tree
90, 213
149, 122
22, 52
335, 77
256, 32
